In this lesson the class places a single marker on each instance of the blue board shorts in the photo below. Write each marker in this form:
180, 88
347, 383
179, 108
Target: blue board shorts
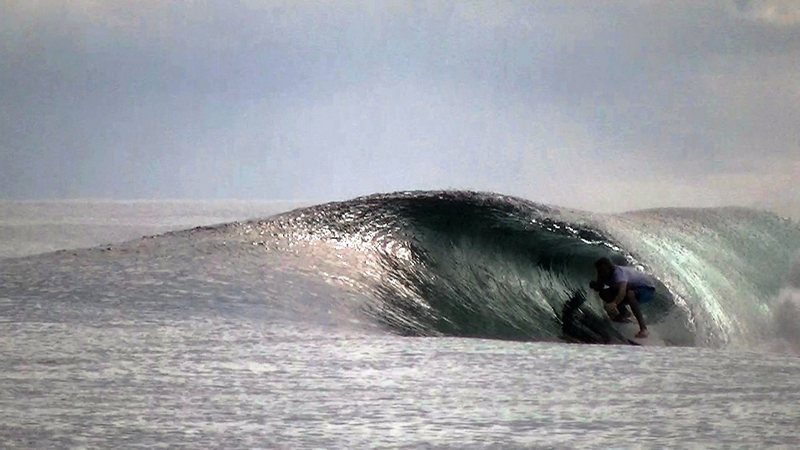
644, 293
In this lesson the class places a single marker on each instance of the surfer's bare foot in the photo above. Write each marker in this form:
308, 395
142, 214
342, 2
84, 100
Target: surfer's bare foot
642, 334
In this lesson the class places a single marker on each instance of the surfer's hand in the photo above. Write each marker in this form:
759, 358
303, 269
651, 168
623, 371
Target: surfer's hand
611, 309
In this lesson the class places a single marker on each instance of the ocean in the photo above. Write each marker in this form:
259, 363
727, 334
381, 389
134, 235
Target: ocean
415, 319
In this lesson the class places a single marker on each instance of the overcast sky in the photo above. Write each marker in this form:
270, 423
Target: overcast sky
597, 105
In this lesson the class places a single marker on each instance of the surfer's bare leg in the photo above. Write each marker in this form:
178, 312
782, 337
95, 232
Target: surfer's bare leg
630, 299
624, 312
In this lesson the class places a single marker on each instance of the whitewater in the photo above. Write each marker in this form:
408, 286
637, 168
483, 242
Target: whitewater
447, 318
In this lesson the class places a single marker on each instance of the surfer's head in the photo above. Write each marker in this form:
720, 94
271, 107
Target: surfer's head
605, 268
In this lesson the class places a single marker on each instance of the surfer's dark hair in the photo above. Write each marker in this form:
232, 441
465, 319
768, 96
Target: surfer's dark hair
603, 262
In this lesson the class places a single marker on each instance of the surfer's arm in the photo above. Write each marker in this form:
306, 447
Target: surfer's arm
622, 289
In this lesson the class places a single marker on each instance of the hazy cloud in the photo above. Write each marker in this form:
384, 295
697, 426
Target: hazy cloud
686, 103
777, 12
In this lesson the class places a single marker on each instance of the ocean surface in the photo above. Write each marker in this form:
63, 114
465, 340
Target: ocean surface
417, 319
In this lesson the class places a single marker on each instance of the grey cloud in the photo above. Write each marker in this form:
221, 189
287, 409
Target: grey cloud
774, 12
305, 100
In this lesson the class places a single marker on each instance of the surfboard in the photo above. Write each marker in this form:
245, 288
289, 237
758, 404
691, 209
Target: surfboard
629, 330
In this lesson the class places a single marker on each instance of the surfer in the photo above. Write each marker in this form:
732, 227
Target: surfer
626, 287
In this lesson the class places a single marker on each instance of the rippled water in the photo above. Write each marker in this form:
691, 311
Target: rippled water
110, 369
216, 380
31, 227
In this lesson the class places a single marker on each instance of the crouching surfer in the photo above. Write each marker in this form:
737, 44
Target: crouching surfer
623, 286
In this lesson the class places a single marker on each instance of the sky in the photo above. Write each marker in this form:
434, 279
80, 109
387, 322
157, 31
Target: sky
597, 105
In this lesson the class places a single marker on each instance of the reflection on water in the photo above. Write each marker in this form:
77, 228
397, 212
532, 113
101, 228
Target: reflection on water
196, 380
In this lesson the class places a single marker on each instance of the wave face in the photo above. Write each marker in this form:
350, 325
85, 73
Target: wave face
486, 265
451, 264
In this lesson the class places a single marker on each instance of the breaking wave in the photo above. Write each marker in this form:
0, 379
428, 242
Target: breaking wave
453, 264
